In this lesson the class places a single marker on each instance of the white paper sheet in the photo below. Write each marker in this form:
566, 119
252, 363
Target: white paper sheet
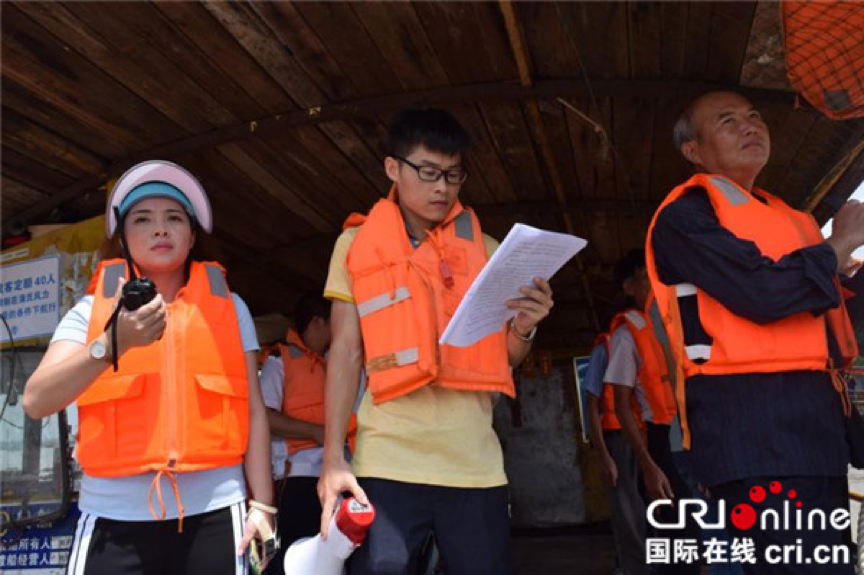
524, 254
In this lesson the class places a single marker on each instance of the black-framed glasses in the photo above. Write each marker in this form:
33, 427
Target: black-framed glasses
453, 176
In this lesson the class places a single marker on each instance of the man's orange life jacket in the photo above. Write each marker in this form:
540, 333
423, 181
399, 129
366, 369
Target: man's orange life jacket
738, 345
303, 392
608, 417
180, 404
405, 298
653, 370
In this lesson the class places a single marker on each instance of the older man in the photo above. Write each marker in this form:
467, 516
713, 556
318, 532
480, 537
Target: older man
749, 294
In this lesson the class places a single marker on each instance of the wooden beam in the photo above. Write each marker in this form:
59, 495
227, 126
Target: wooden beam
235, 257
523, 64
512, 209
512, 90
845, 184
50, 148
574, 207
64, 196
285, 251
829, 182
370, 107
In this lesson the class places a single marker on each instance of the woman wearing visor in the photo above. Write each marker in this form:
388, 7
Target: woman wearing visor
172, 427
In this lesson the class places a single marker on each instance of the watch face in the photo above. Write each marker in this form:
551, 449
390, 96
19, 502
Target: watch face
97, 350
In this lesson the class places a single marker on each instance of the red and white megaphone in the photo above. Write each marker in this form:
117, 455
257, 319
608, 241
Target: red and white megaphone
315, 556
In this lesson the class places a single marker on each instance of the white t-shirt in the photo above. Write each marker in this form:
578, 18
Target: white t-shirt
125, 498
623, 368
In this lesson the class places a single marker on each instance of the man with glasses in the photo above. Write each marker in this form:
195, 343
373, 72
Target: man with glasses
426, 456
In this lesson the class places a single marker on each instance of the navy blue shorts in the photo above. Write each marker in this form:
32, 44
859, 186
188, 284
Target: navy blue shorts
471, 526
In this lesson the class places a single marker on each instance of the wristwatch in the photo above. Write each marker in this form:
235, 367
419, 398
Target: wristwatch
99, 350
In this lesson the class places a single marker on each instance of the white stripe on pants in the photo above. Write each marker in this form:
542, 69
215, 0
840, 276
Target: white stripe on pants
83, 533
238, 514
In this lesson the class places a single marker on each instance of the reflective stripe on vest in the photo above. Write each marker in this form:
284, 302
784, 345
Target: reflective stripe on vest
636, 319
695, 352
216, 279
113, 273
698, 351
464, 226
735, 196
396, 359
295, 352
382, 301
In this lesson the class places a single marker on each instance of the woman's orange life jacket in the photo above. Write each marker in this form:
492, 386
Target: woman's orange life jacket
738, 345
303, 391
653, 370
180, 404
405, 298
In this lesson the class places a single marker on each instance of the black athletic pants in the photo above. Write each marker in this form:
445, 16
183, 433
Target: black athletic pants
208, 544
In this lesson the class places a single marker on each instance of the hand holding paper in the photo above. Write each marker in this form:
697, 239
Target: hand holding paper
532, 308
524, 254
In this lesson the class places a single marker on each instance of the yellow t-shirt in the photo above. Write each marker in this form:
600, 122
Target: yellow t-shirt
432, 435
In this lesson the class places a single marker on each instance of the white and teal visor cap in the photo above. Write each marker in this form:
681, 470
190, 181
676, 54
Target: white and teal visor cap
159, 179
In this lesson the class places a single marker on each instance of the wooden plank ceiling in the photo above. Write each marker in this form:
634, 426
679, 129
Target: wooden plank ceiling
280, 109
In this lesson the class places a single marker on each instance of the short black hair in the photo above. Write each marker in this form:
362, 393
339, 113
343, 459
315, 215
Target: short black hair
435, 129
309, 306
628, 265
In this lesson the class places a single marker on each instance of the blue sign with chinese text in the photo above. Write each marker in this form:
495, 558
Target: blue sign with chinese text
30, 297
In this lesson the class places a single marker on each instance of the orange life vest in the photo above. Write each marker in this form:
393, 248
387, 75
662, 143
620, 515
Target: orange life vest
405, 298
303, 392
608, 418
824, 46
177, 405
738, 345
653, 371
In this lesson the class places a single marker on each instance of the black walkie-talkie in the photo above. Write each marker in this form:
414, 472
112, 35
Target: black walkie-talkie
136, 292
